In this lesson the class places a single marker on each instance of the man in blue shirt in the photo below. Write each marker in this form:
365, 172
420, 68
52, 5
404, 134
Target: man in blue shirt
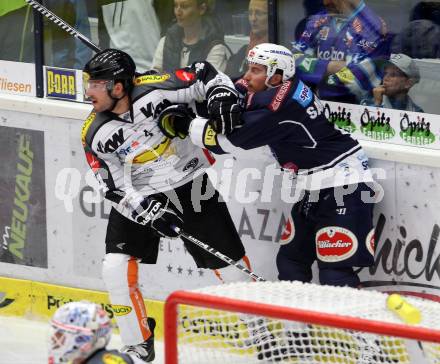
336, 50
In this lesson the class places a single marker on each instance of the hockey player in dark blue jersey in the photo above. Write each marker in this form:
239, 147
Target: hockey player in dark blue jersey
333, 220
338, 49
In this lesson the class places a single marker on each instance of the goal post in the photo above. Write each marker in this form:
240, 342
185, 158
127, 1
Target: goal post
294, 322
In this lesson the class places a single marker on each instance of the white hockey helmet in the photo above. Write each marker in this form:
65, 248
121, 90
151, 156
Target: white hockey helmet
78, 330
275, 57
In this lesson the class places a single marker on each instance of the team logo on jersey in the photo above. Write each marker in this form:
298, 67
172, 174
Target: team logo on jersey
280, 96
153, 153
185, 75
86, 127
323, 33
332, 54
370, 242
290, 167
320, 22
288, 232
210, 137
348, 39
149, 79
357, 25
108, 358
335, 244
113, 143
93, 162
345, 75
303, 95
120, 310
367, 46
191, 164
306, 34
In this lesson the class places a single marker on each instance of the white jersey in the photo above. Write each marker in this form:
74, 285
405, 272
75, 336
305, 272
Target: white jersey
130, 155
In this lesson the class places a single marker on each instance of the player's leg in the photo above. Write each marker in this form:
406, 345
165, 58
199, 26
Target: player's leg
295, 259
344, 237
126, 244
213, 225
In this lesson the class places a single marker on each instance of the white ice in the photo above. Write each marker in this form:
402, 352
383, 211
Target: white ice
24, 341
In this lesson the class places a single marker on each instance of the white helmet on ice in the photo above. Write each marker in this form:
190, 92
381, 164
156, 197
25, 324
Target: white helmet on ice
275, 57
78, 330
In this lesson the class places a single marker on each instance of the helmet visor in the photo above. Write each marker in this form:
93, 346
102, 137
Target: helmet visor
95, 85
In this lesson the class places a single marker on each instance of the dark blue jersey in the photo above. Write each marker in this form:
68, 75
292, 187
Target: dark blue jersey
290, 120
357, 39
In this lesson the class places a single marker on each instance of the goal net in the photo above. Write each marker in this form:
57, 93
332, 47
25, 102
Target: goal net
293, 322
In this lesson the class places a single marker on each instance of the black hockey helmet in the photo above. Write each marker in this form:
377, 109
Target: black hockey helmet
111, 64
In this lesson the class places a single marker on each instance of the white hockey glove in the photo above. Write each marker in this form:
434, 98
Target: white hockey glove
161, 214
224, 109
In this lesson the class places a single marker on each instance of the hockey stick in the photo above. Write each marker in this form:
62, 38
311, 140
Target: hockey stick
219, 255
62, 24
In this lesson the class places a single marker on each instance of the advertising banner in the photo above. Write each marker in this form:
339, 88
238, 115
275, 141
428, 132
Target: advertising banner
407, 232
23, 197
61, 83
17, 78
385, 125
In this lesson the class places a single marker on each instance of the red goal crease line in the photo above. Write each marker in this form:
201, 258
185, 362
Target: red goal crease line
283, 313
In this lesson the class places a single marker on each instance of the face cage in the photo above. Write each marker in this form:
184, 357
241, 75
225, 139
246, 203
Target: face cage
69, 344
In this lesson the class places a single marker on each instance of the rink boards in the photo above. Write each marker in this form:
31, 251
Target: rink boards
38, 301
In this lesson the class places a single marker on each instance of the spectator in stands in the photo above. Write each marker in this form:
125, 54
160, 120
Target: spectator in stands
258, 21
311, 7
400, 74
419, 39
164, 12
429, 10
341, 43
16, 31
131, 26
196, 36
63, 50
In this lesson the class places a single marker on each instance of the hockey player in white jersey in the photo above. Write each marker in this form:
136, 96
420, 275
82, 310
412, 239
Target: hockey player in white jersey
80, 332
145, 174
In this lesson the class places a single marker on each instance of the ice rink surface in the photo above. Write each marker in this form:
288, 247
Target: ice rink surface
24, 341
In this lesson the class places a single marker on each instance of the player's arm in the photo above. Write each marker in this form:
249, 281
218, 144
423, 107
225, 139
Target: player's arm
115, 180
310, 68
260, 127
205, 84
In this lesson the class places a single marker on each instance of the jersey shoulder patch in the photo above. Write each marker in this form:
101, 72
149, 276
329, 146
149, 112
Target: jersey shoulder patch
93, 122
280, 95
151, 79
86, 126
303, 94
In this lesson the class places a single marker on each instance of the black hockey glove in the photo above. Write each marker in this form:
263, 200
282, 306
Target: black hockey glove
174, 121
224, 109
161, 214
